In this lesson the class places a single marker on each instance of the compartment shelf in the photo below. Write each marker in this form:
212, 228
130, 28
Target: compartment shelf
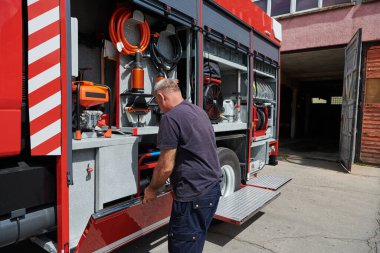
224, 63
263, 74
220, 127
262, 142
233, 126
146, 130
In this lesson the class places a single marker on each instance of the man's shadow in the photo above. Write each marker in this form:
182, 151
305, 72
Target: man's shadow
219, 233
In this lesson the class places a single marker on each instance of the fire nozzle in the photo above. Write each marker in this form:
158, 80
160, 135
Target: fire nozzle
138, 74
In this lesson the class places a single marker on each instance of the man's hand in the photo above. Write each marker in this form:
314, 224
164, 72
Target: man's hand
149, 195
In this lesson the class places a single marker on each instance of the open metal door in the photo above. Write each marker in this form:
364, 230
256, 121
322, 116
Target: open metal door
350, 98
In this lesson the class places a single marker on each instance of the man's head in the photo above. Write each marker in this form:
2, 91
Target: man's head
167, 94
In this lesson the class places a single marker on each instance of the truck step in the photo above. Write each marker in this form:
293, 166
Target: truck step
268, 182
243, 204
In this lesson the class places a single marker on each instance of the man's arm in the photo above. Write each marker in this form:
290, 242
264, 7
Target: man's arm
161, 173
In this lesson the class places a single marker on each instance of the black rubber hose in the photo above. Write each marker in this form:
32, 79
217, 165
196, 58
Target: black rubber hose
160, 62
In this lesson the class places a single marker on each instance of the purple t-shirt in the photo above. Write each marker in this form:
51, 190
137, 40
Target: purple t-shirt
187, 128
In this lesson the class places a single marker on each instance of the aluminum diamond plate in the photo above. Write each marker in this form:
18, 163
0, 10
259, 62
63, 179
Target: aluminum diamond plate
268, 182
243, 204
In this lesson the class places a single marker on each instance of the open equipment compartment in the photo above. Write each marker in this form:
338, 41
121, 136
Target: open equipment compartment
103, 58
226, 47
171, 42
265, 89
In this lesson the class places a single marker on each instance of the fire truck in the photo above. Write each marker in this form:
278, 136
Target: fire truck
79, 121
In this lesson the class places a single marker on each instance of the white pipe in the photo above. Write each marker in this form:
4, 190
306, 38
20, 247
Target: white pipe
188, 60
238, 105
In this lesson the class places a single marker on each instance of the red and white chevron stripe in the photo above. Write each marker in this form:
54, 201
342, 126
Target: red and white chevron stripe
44, 72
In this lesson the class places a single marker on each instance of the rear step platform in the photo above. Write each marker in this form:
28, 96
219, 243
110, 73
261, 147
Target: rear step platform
268, 182
243, 204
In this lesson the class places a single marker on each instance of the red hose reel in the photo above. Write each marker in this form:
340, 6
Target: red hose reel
260, 120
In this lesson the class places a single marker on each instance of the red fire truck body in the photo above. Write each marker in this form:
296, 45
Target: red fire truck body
79, 121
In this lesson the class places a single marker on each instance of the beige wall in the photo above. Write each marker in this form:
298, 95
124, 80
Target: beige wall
331, 27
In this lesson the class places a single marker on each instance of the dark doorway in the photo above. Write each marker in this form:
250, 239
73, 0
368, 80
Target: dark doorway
311, 97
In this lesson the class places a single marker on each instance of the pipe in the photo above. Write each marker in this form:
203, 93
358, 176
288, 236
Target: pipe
238, 102
188, 57
32, 224
78, 133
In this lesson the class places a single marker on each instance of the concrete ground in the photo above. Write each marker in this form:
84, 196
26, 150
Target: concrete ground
323, 209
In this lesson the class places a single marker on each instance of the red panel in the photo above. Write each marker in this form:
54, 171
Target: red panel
117, 229
62, 161
10, 77
118, 92
10, 128
251, 14
200, 57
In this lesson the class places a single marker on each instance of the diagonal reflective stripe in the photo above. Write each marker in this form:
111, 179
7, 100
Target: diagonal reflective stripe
43, 49
44, 77
44, 106
43, 20
45, 134
55, 152
30, 2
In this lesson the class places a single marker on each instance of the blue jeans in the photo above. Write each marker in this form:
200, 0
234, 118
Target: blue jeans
190, 221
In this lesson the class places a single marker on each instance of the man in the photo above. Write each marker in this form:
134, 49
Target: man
187, 143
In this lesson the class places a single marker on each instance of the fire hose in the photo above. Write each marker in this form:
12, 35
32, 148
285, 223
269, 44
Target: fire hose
119, 39
163, 64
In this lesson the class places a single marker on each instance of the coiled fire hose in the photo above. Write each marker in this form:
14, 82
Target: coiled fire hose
119, 39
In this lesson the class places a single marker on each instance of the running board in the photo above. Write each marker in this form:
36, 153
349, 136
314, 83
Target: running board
268, 182
240, 206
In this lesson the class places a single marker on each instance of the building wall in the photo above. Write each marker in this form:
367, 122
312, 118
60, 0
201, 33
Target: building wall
330, 27
370, 135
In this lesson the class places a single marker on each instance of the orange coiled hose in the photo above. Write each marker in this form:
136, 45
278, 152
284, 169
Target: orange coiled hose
119, 39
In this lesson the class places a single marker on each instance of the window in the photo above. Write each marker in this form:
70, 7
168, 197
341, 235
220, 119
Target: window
318, 101
302, 5
336, 100
280, 7
263, 4
334, 2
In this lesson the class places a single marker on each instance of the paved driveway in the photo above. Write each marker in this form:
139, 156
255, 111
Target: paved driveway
322, 209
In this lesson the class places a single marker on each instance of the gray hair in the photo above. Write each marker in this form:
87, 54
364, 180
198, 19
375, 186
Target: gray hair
166, 84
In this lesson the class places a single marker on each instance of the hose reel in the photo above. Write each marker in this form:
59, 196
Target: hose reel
213, 101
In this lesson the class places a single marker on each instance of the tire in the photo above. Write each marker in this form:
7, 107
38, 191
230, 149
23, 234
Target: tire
231, 173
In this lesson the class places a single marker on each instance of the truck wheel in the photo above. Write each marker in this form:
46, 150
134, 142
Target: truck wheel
231, 174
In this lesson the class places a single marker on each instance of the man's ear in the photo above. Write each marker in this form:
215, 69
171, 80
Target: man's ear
161, 96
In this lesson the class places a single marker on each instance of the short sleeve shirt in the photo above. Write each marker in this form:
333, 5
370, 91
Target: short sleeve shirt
188, 129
